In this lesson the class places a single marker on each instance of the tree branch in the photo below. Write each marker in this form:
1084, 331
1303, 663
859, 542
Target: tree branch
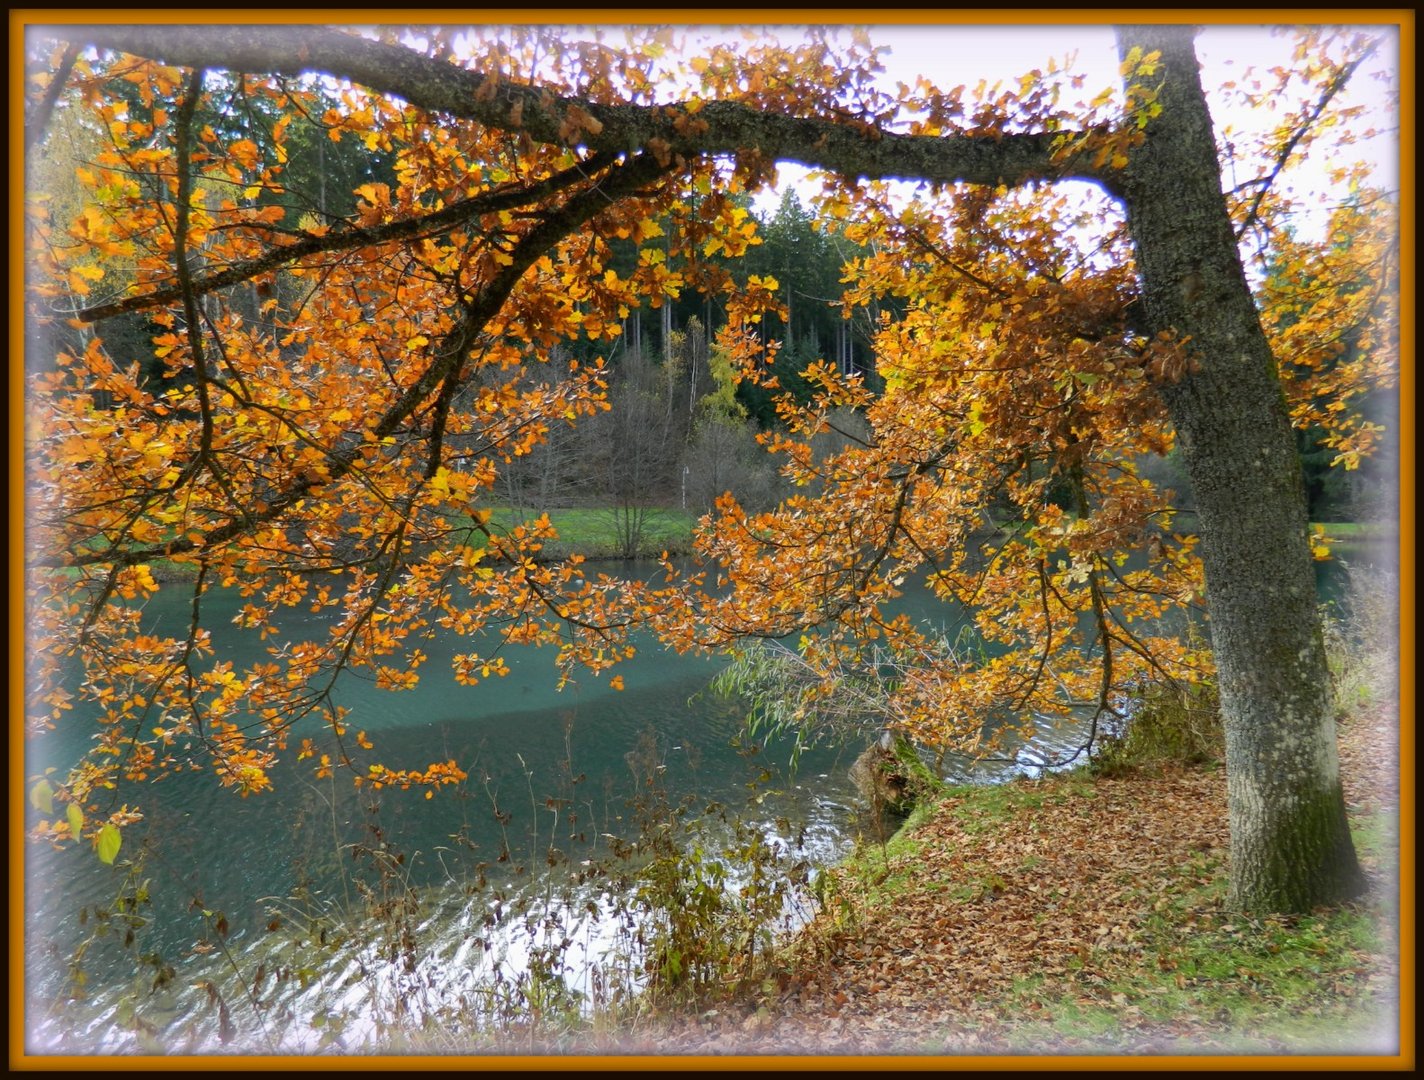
1263, 184
345, 239
556, 224
689, 130
37, 123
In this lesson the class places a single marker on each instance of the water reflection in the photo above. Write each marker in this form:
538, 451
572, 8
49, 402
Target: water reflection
553, 782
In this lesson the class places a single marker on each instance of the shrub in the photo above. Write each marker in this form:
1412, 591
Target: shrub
1166, 722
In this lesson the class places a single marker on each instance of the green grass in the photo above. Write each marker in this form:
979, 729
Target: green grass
986, 806
1353, 541
593, 531
1185, 522
588, 531
884, 867
1374, 531
1249, 975
1375, 835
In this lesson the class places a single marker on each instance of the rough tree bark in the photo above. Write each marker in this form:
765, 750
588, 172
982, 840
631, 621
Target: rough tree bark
1290, 844
1291, 848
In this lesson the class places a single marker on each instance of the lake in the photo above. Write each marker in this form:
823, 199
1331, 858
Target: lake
555, 779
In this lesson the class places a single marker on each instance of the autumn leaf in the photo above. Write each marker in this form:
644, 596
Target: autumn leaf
337, 377
42, 797
107, 843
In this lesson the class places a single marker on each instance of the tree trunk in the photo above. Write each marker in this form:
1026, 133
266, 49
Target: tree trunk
1290, 844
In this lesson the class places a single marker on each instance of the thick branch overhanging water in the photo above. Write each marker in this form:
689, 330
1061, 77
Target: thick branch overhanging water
852, 149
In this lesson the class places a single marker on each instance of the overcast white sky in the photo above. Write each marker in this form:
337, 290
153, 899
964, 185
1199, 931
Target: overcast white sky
963, 55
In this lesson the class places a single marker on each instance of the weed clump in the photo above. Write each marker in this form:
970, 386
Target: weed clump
1167, 722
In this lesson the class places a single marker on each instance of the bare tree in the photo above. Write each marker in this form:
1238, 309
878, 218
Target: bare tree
631, 453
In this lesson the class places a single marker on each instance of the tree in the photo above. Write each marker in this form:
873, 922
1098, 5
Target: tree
723, 452
632, 450
1331, 311
494, 246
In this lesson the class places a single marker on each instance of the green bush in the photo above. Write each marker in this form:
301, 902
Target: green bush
1166, 722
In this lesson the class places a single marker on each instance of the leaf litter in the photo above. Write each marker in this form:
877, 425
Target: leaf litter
1090, 917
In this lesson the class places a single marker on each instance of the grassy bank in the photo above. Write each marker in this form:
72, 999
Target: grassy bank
1362, 541
596, 533
1345, 532
1378, 532
1081, 913
1087, 912
593, 532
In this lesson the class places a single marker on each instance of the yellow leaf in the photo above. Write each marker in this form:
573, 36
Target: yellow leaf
42, 797
108, 843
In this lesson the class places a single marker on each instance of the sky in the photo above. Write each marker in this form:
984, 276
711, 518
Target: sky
953, 55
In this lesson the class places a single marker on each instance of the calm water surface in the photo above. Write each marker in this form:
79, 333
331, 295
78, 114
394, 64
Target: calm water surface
551, 776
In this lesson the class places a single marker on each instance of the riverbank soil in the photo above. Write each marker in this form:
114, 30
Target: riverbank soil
1081, 914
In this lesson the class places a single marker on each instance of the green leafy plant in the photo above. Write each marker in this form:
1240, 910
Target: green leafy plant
1166, 722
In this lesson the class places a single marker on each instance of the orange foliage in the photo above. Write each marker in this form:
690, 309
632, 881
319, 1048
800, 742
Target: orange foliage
340, 400
999, 466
